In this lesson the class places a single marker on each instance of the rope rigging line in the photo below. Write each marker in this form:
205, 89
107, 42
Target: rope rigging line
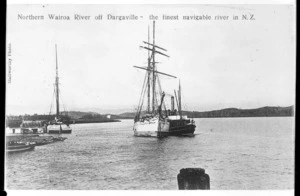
185, 106
143, 100
157, 79
160, 91
139, 106
141, 96
62, 102
52, 101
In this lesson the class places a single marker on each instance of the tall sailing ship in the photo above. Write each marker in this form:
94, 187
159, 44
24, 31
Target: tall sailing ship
57, 125
157, 121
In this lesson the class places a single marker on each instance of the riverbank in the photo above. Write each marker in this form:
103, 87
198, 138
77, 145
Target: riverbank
229, 113
16, 123
77, 117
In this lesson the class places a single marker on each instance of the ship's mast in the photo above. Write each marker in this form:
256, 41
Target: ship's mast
176, 100
179, 100
149, 73
153, 68
56, 85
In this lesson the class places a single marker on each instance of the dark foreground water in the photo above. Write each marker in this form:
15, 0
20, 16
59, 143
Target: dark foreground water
237, 153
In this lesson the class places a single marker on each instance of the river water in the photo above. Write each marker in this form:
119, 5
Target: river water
237, 153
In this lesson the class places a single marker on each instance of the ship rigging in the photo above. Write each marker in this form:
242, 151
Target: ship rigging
57, 125
157, 120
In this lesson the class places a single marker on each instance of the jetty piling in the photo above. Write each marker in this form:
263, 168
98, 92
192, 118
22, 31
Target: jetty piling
192, 179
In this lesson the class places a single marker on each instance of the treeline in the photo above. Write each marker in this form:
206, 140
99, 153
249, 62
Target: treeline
93, 117
229, 112
234, 112
15, 121
73, 117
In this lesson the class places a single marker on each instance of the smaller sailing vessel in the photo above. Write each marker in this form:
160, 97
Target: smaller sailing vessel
57, 125
158, 121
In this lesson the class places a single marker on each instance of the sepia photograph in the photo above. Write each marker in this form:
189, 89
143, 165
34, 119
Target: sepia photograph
150, 97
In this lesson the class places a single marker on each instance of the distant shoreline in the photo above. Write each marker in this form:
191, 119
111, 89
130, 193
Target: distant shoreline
229, 113
77, 117
95, 121
221, 117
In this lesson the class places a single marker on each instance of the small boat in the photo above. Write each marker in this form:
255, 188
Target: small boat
19, 146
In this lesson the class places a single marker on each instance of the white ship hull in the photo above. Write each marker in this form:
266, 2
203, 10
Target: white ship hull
59, 128
152, 127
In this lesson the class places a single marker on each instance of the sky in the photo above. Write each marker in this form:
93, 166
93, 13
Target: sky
221, 64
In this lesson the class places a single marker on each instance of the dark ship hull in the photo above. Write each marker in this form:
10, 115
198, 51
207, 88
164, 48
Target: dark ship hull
180, 126
182, 130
